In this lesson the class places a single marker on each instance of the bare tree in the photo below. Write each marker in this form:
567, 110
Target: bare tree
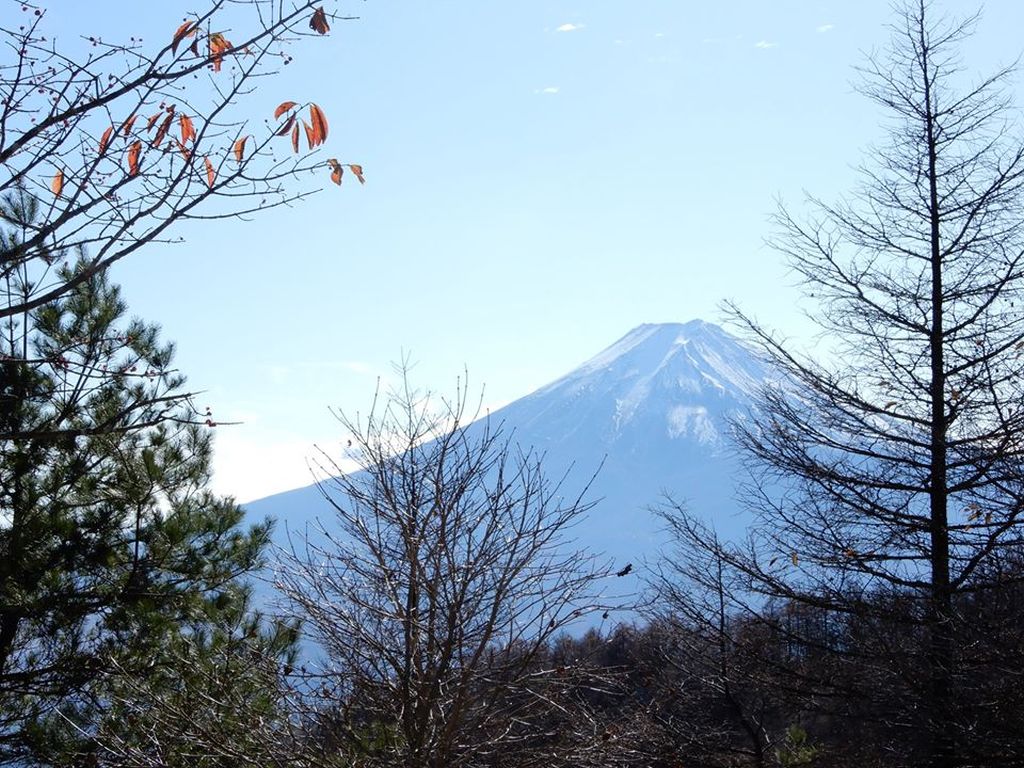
118, 143
888, 482
437, 590
719, 696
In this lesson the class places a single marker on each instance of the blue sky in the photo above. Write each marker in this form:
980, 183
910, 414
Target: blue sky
541, 178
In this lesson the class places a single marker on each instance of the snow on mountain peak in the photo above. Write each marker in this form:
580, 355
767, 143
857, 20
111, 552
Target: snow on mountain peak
679, 380
696, 356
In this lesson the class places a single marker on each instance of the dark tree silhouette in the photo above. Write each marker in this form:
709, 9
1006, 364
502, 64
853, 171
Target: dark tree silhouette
888, 481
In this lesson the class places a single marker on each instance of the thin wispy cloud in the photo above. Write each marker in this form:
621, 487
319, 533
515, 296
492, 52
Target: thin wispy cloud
764, 44
659, 34
568, 27
825, 28
550, 90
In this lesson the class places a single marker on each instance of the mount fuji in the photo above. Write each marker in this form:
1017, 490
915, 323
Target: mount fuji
651, 412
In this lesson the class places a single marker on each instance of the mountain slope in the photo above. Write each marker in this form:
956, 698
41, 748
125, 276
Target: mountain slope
651, 411
654, 407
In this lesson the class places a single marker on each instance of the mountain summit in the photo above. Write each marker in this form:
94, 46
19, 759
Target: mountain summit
669, 381
700, 353
651, 412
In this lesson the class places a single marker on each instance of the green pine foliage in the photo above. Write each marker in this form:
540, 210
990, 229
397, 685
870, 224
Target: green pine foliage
214, 695
115, 558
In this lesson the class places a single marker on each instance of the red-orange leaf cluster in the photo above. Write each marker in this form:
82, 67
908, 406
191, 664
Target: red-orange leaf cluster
160, 125
316, 128
163, 127
319, 22
316, 117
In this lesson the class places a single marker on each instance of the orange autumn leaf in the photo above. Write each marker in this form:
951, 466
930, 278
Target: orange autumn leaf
188, 29
152, 121
310, 142
287, 126
162, 130
283, 107
185, 151
358, 171
57, 185
319, 22
316, 117
295, 138
188, 129
240, 148
127, 127
133, 158
105, 139
211, 175
336, 170
218, 45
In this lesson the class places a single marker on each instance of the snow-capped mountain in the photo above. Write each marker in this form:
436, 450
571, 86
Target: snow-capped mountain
655, 408
651, 411
668, 382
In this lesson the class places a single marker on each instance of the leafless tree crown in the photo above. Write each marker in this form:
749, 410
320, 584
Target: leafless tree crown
435, 590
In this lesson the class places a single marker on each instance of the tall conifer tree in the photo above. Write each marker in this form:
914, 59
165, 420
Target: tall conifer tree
112, 547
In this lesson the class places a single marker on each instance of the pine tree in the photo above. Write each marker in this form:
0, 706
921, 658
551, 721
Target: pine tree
112, 548
217, 693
